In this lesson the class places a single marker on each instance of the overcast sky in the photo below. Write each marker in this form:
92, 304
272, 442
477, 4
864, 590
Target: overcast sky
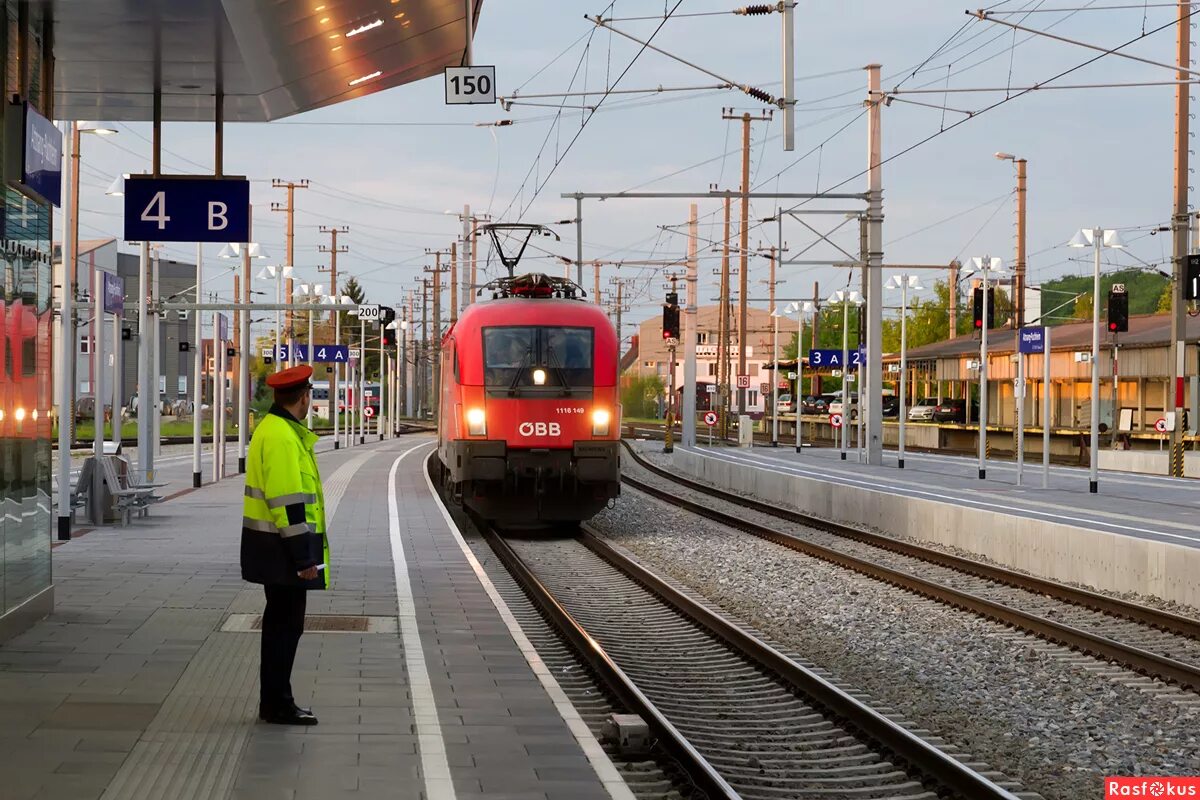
388, 165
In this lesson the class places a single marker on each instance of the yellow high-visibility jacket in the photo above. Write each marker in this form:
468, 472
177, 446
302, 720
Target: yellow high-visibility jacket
283, 511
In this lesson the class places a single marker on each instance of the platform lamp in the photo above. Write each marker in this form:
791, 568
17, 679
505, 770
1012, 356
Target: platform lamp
314, 292
986, 267
799, 309
904, 283
398, 375
278, 274
335, 411
255, 251
846, 299
1096, 238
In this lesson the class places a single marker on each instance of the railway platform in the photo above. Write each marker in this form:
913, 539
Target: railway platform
1138, 534
143, 683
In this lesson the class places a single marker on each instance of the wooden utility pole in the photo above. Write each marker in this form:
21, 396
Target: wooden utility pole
744, 246
437, 324
596, 281
1179, 231
454, 282
954, 268
289, 238
422, 378
1019, 269
335, 316
816, 337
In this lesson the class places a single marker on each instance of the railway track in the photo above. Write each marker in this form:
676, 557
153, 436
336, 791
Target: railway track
1154, 642
742, 719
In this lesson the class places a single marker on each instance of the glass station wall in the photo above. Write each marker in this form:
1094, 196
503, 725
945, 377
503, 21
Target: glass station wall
26, 311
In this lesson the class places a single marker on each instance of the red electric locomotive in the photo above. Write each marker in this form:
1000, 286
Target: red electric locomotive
529, 414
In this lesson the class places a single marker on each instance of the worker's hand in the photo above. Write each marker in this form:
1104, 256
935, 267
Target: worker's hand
308, 574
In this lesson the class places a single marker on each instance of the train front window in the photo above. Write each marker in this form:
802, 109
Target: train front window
530, 359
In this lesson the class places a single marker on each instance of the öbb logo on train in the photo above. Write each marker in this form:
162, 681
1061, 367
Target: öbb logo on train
540, 429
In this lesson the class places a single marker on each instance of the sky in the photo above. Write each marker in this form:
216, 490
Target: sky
391, 164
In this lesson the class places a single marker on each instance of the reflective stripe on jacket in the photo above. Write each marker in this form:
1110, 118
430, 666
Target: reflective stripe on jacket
283, 508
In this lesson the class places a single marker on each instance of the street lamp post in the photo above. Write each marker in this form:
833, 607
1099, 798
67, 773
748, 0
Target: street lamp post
903, 283
244, 253
985, 267
775, 315
799, 309
846, 299
1096, 238
313, 294
278, 274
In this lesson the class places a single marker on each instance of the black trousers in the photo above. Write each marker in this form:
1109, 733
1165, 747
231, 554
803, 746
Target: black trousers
282, 626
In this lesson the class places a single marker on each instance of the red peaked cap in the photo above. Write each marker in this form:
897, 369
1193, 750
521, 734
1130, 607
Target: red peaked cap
290, 378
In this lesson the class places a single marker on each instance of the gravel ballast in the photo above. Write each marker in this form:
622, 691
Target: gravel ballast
1050, 722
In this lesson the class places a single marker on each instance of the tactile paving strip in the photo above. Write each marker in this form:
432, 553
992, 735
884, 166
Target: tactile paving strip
192, 746
316, 623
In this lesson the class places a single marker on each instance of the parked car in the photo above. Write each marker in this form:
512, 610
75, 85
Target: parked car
922, 410
954, 411
891, 405
785, 406
838, 407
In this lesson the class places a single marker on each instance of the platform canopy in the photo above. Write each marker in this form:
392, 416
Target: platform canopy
272, 58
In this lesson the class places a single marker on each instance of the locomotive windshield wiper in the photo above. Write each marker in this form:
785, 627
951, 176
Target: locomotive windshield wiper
558, 371
512, 387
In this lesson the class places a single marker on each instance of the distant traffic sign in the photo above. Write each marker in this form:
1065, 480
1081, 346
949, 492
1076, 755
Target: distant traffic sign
187, 209
1160, 425
710, 418
832, 359
368, 411
368, 312
1032, 340
710, 388
835, 420
743, 381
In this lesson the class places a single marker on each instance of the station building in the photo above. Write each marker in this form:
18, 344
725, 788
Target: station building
1141, 358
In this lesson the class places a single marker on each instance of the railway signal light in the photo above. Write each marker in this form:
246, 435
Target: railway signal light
977, 307
670, 326
386, 315
1118, 309
1191, 284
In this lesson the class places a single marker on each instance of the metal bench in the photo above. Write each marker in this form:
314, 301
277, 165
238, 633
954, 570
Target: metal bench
127, 499
81, 489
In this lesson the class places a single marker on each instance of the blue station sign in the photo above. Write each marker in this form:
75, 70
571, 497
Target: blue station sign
322, 353
114, 294
34, 160
832, 359
187, 209
1032, 340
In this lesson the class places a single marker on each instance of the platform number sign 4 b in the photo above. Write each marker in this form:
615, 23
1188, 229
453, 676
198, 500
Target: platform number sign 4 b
187, 209
470, 85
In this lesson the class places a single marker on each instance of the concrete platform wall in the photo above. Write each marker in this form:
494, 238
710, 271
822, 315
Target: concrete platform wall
1058, 551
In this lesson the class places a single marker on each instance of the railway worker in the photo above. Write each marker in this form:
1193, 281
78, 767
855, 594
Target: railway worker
284, 546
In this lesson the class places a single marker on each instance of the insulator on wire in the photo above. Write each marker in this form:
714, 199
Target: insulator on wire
759, 94
753, 11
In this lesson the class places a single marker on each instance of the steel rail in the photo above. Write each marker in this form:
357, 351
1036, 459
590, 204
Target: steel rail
925, 758
1165, 620
1151, 663
703, 774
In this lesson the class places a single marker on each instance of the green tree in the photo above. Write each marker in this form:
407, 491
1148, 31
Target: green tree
350, 329
637, 396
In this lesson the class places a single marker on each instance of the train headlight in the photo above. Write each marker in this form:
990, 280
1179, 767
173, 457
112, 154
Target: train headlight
476, 422
539, 377
600, 420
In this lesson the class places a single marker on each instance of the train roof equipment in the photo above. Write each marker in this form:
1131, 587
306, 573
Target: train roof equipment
535, 285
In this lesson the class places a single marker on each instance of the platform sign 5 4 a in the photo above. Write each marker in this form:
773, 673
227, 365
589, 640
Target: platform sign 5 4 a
832, 359
322, 353
187, 209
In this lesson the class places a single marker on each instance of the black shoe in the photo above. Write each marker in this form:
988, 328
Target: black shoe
291, 716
